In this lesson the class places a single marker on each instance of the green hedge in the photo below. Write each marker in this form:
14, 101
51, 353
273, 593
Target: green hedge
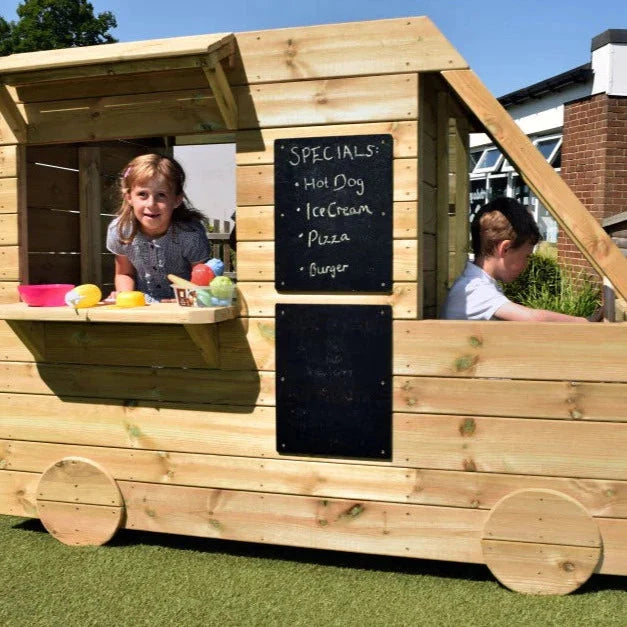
546, 285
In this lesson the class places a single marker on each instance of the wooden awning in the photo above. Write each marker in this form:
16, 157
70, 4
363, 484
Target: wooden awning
108, 61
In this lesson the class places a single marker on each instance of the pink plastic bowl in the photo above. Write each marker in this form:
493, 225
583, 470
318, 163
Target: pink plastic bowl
45, 295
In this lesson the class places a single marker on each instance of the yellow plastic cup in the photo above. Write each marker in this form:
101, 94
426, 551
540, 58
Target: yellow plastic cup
130, 299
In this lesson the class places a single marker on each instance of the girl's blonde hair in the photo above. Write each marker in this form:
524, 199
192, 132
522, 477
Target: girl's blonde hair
142, 169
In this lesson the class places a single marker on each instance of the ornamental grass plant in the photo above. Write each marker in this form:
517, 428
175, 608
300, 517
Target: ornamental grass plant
546, 285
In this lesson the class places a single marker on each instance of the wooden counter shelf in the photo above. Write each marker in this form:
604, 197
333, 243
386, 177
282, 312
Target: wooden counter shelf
199, 322
161, 313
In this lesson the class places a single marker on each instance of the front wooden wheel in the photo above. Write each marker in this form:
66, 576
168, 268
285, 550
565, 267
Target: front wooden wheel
79, 502
541, 542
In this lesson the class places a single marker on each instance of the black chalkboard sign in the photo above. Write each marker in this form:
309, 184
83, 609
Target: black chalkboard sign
333, 214
334, 380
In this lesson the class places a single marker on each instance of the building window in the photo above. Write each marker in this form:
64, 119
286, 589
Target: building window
491, 176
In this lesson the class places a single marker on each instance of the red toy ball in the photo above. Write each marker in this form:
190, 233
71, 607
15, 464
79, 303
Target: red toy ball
202, 274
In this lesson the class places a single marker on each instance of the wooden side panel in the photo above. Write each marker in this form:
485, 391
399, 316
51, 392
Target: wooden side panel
355, 48
8, 195
429, 532
459, 443
9, 263
8, 229
551, 448
257, 299
8, 292
257, 147
150, 384
118, 117
8, 161
346, 525
562, 400
543, 351
319, 478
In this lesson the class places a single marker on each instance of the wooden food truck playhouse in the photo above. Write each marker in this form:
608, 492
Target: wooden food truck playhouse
328, 408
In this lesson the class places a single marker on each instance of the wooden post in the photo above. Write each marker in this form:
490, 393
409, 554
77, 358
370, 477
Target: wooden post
461, 194
442, 169
90, 203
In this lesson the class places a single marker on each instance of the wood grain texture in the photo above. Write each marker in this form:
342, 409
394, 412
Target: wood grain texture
332, 101
8, 229
411, 44
540, 569
155, 313
331, 478
8, 294
541, 542
347, 525
519, 446
542, 516
241, 388
542, 179
113, 53
80, 524
9, 263
118, 117
76, 479
562, 400
257, 299
257, 147
541, 351
17, 491
8, 195
8, 161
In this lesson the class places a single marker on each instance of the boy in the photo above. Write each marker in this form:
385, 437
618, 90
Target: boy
503, 237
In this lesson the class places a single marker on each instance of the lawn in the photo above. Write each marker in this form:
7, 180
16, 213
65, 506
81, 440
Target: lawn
155, 579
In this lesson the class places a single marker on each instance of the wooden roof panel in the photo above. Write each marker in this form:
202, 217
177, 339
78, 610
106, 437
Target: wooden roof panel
144, 51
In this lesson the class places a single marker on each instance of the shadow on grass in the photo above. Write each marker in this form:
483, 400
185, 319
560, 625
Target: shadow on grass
322, 557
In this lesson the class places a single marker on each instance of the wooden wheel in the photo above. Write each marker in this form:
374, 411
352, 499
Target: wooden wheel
541, 542
79, 502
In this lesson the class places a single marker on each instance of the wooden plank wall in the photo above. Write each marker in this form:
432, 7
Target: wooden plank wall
480, 409
10, 156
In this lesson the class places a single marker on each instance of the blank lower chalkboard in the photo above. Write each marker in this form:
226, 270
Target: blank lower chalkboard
333, 214
334, 380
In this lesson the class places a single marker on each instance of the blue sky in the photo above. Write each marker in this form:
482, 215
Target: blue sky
509, 44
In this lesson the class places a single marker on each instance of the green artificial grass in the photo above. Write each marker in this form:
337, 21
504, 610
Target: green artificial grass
156, 579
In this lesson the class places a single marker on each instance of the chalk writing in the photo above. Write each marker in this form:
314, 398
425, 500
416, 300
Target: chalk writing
333, 213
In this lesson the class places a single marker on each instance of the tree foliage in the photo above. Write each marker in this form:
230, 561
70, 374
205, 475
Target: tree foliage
50, 24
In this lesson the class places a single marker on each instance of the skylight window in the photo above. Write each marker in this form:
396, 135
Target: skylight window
489, 161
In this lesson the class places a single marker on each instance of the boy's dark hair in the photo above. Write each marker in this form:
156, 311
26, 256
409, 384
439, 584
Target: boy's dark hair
501, 219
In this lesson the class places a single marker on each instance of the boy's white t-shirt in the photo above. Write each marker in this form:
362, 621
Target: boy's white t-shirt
475, 295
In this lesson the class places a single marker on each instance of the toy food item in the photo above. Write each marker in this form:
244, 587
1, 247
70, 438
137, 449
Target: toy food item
82, 296
130, 299
217, 265
221, 290
202, 274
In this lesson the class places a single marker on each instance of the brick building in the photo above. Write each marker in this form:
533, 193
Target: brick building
578, 120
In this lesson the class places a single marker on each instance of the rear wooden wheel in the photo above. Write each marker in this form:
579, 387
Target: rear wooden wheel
79, 502
541, 542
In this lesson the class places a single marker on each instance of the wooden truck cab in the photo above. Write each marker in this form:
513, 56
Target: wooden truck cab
330, 408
